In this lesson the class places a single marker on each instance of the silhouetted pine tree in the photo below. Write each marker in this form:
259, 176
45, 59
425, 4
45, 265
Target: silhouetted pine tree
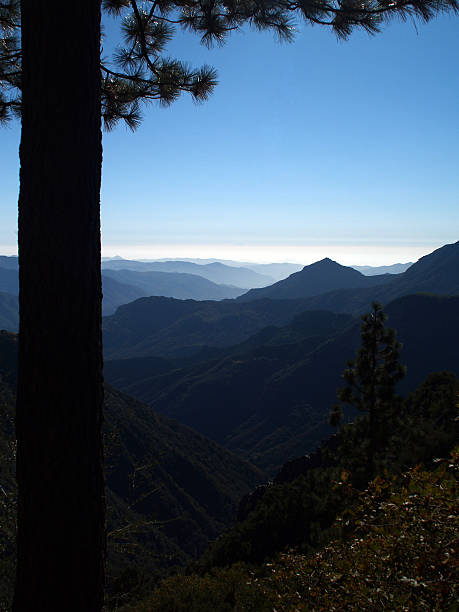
56, 80
371, 380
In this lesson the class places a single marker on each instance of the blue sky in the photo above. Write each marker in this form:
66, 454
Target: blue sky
305, 150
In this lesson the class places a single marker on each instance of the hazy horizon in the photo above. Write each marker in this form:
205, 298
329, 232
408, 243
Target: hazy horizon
344, 254
317, 149
349, 255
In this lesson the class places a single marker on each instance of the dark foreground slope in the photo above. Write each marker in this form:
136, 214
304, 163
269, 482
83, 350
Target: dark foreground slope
392, 549
269, 403
328, 537
164, 472
169, 489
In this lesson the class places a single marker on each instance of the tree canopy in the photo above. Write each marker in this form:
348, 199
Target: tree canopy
59, 83
371, 380
140, 70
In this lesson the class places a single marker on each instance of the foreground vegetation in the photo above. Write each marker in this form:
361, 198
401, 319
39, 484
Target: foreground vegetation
395, 549
364, 522
321, 541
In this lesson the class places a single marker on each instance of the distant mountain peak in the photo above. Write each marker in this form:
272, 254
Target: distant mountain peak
327, 265
326, 261
320, 277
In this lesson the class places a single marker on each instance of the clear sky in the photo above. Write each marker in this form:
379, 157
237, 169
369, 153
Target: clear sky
318, 148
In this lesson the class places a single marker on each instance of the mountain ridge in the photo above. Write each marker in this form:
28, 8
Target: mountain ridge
217, 272
129, 332
317, 278
270, 404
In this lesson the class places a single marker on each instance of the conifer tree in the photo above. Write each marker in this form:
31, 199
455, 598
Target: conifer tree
56, 80
371, 379
140, 70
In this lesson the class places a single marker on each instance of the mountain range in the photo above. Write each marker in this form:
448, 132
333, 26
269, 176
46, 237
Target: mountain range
268, 399
217, 272
123, 286
436, 273
160, 327
227, 391
167, 327
397, 268
344, 289
179, 285
320, 277
275, 271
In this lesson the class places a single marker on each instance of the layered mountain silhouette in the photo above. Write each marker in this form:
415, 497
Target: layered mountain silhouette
436, 273
320, 277
153, 326
115, 294
273, 271
217, 272
174, 284
397, 268
334, 287
223, 324
124, 286
270, 403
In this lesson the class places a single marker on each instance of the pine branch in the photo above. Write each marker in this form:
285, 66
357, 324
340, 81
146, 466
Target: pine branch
140, 72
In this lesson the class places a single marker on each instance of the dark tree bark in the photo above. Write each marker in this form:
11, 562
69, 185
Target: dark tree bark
60, 393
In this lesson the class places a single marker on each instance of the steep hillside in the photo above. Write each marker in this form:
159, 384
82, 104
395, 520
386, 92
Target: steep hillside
271, 403
330, 536
159, 326
165, 472
437, 272
391, 549
320, 277
169, 489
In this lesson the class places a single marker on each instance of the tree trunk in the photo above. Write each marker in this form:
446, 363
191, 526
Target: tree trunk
61, 504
